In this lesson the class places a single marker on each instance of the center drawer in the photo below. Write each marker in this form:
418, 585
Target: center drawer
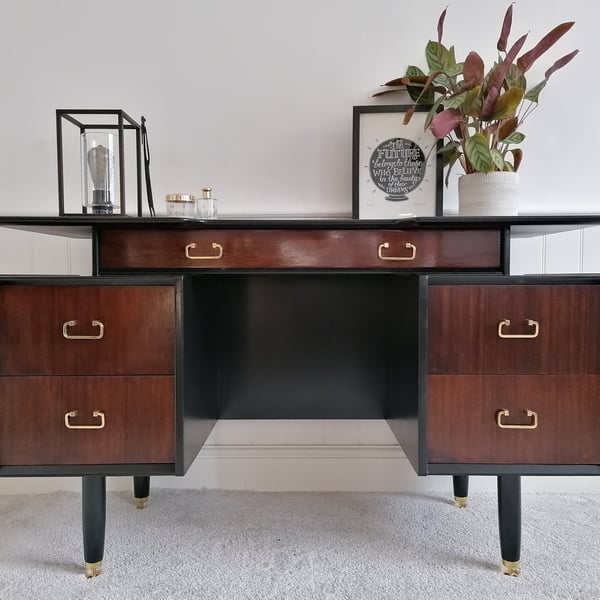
87, 329
122, 248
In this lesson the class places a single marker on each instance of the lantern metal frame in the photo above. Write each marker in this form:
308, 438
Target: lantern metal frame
123, 123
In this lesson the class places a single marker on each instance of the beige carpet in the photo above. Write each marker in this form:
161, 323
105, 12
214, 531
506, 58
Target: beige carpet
191, 544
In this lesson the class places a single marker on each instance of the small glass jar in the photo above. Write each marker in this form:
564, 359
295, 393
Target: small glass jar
181, 205
207, 205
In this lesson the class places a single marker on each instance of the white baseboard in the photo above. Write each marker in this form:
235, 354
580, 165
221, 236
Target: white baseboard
376, 468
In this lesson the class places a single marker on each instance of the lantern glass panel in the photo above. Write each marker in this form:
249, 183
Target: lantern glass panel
99, 164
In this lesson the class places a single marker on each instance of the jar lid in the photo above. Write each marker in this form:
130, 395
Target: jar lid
206, 192
180, 198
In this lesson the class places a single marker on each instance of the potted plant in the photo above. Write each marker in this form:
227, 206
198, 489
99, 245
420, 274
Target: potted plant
479, 115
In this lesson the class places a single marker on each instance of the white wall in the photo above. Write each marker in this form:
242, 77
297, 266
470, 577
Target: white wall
254, 98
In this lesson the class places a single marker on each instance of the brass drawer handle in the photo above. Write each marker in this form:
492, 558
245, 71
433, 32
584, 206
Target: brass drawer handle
530, 323
386, 245
68, 336
506, 413
96, 414
214, 245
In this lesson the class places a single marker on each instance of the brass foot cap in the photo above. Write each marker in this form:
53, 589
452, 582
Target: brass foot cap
141, 502
93, 569
510, 568
460, 501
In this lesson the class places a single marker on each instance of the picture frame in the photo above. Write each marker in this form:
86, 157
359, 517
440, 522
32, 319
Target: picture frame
396, 169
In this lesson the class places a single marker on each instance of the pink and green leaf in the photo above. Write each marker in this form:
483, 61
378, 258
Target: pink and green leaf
508, 127
473, 69
514, 138
450, 65
408, 114
496, 79
525, 61
414, 71
473, 102
455, 100
498, 159
560, 63
505, 32
507, 104
384, 92
434, 54
444, 122
450, 160
533, 94
478, 153
398, 82
432, 112
514, 78
440, 25
416, 92
517, 158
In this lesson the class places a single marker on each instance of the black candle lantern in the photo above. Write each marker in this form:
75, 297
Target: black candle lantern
98, 151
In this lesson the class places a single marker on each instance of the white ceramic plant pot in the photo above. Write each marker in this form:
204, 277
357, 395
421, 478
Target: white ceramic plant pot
488, 194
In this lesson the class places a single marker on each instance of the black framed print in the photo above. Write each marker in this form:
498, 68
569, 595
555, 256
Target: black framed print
396, 170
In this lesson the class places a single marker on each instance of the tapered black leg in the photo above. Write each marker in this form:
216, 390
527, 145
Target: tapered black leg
93, 501
509, 518
461, 490
141, 490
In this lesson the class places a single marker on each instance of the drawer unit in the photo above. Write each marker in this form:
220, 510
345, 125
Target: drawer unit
93, 375
122, 248
87, 420
511, 372
87, 329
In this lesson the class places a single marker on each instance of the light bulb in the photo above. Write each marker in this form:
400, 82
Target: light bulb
101, 164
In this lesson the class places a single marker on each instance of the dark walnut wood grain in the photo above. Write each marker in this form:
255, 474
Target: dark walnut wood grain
462, 412
139, 329
142, 249
139, 420
463, 329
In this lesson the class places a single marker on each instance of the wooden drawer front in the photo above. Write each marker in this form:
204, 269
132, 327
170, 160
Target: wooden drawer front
217, 249
464, 335
136, 325
462, 413
138, 415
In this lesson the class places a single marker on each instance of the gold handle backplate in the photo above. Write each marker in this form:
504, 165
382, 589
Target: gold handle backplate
386, 245
505, 413
68, 336
214, 245
530, 323
97, 414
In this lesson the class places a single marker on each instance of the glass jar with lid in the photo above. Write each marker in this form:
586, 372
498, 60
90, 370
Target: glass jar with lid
181, 205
